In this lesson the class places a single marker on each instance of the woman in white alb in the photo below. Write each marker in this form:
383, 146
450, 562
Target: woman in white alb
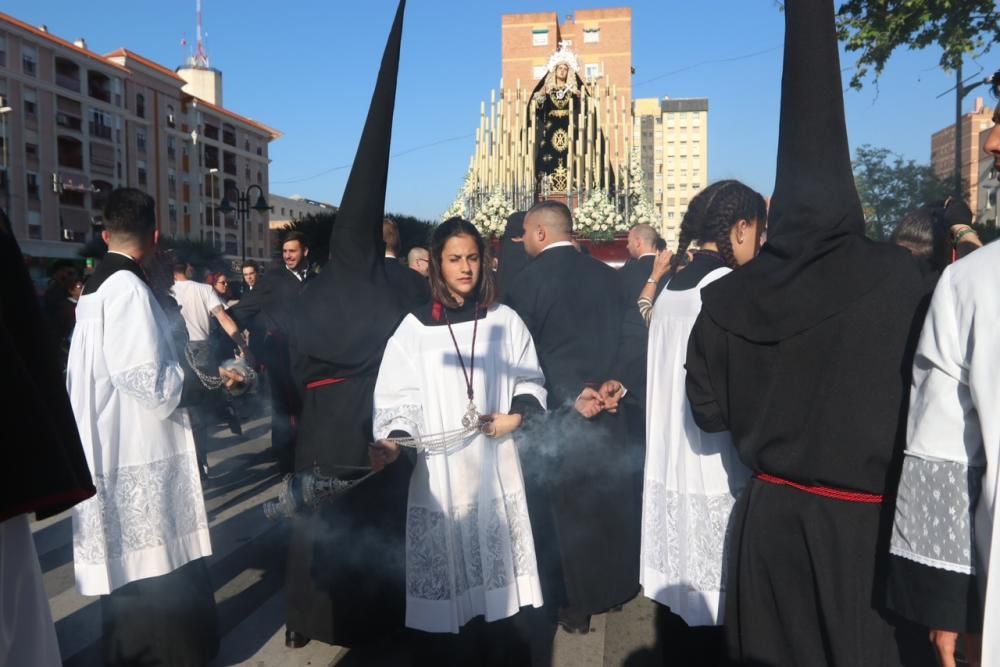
457, 378
691, 478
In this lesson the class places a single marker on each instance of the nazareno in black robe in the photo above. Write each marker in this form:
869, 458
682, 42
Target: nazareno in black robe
583, 478
46, 470
804, 355
345, 567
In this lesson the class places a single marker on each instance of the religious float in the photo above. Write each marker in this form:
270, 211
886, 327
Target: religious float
566, 139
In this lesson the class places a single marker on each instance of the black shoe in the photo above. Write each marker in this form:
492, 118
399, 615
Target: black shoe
295, 639
235, 427
574, 622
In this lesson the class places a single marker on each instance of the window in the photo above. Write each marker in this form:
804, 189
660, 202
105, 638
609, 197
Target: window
67, 74
670, 215
684, 201
260, 178
172, 212
172, 181
696, 186
232, 247
31, 151
592, 71
171, 148
260, 151
30, 102
29, 59
32, 185
141, 165
591, 35
540, 37
538, 72
70, 152
171, 122
140, 139
34, 224
3, 51
100, 124
246, 145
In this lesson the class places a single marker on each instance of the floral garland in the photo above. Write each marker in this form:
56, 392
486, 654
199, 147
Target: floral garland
491, 216
598, 217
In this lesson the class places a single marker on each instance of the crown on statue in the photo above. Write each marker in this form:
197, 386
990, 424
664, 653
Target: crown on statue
563, 56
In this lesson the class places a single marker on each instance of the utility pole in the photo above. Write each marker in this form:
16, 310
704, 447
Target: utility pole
961, 90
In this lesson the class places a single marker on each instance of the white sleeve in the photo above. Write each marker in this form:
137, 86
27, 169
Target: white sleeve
398, 402
527, 372
211, 299
943, 465
138, 357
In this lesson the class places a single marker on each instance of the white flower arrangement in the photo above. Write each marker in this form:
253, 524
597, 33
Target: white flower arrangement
491, 216
598, 217
457, 208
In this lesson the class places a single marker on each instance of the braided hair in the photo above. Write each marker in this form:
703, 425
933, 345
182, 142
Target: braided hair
711, 215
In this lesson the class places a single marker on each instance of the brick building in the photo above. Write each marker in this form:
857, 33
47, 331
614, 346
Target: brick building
943, 150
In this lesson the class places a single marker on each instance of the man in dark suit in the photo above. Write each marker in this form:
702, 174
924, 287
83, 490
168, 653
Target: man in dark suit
635, 274
268, 308
582, 475
412, 289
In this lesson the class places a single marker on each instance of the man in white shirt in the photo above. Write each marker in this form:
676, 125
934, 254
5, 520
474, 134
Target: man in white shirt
199, 304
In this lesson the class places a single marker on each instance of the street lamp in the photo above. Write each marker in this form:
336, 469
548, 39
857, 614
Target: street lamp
242, 210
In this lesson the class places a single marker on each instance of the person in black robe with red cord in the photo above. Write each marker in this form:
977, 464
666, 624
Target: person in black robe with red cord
345, 564
804, 356
45, 470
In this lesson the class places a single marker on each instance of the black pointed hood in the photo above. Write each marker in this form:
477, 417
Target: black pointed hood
349, 309
817, 261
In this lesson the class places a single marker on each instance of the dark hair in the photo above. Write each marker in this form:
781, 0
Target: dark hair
295, 236
180, 267
487, 291
924, 232
129, 212
712, 213
557, 207
250, 264
390, 235
59, 265
661, 244
995, 84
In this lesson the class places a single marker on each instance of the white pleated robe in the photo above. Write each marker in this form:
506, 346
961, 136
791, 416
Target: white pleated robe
691, 478
469, 547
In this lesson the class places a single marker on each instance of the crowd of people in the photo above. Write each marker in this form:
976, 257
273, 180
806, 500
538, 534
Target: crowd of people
780, 431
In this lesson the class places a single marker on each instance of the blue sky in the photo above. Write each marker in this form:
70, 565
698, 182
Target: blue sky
307, 68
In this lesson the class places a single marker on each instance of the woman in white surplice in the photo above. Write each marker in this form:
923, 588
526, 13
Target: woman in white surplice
465, 366
691, 478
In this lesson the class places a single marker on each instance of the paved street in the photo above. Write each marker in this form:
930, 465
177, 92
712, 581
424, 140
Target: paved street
247, 568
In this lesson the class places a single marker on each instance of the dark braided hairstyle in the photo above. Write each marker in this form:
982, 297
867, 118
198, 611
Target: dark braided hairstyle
712, 213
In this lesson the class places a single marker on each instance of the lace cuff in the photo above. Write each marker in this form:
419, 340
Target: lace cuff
409, 418
933, 524
153, 384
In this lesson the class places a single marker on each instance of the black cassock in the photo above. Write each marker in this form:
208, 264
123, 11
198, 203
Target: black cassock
583, 478
345, 564
412, 288
804, 355
635, 336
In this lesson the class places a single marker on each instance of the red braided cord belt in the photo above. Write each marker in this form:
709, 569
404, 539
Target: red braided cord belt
824, 491
325, 382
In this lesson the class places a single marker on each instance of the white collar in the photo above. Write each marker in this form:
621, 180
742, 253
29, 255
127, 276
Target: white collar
557, 244
123, 254
646, 254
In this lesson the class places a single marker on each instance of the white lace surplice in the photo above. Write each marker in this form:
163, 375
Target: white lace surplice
691, 477
124, 381
469, 547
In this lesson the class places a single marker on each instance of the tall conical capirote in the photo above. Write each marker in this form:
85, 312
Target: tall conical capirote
817, 261
814, 184
349, 310
356, 239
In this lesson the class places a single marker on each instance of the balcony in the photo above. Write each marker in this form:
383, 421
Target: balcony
229, 163
99, 86
99, 130
229, 135
211, 132
69, 121
70, 152
67, 74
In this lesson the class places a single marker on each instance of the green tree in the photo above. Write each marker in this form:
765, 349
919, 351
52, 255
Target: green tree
890, 186
876, 28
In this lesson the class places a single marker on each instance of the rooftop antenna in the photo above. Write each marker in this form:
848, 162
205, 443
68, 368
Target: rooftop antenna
200, 55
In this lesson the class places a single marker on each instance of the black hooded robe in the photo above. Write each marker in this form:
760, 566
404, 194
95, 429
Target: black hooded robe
345, 565
804, 355
584, 486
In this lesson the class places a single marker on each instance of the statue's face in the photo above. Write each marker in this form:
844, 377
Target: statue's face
562, 71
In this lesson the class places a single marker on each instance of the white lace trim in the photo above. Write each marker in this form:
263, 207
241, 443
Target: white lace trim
930, 562
139, 507
408, 417
151, 383
933, 524
684, 536
473, 546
